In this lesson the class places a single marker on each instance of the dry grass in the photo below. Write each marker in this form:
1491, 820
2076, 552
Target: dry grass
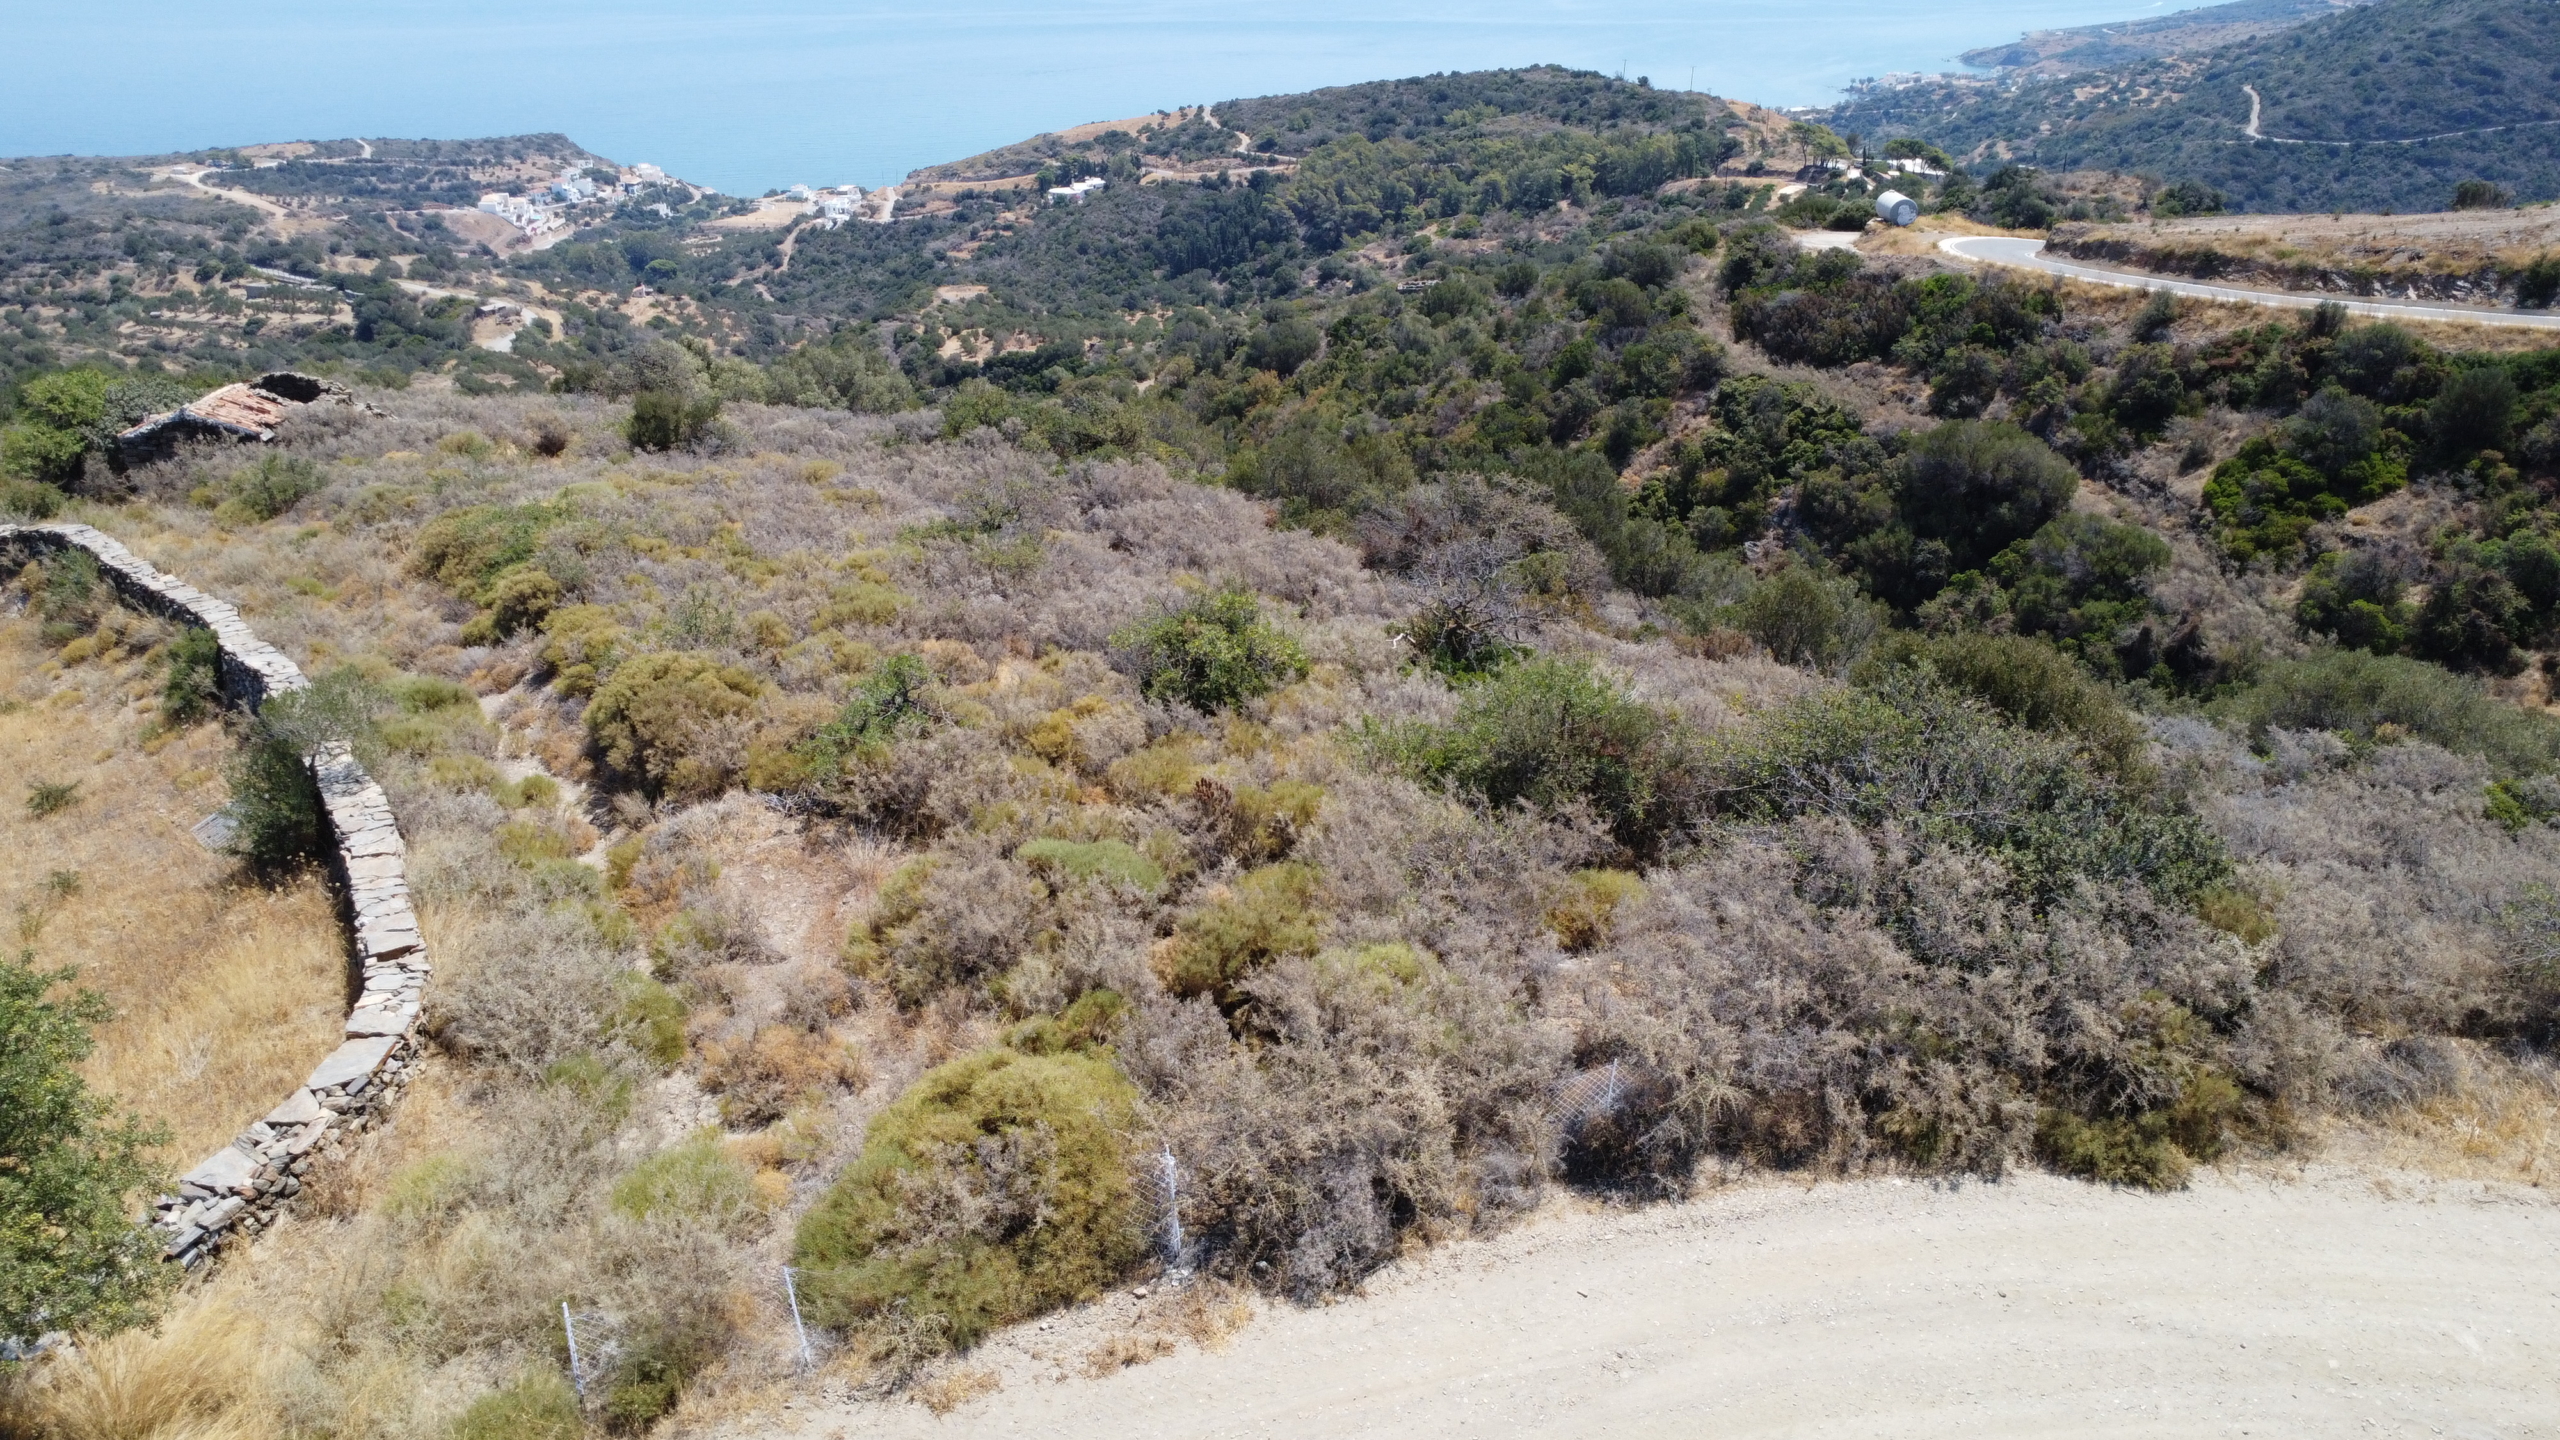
1122, 1351
2202, 320
1208, 1313
2502, 1125
225, 995
955, 1387
197, 1377
2450, 242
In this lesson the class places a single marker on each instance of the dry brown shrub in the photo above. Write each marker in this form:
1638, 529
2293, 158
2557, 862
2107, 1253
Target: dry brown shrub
780, 1066
1381, 1092
1119, 1352
1208, 1313
948, 1390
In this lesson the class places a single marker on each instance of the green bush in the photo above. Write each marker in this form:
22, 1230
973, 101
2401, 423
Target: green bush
995, 1188
22, 499
466, 550
57, 419
72, 1257
651, 1020
538, 1406
2473, 411
1979, 486
275, 805
1915, 752
847, 373
1550, 732
275, 808
2153, 1149
193, 688
696, 1179
1114, 862
1803, 614
2083, 582
2029, 683
1266, 914
664, 421
2356, 599
70, 595
2538, 281
889, 702
268, 489
2369, 699
648, 720
51, 797
2266, 498
519, 598
1212, 654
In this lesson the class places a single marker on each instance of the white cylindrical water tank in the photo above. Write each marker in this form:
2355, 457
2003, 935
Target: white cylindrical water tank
1897, 208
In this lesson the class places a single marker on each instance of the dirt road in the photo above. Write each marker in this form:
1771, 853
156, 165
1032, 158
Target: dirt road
2323, 1304
2029, 255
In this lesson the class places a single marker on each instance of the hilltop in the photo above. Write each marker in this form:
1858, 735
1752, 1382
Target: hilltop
2383, 107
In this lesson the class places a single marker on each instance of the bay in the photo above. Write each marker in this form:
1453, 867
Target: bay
758, 94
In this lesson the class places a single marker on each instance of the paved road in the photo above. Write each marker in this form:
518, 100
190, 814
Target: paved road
2029, 255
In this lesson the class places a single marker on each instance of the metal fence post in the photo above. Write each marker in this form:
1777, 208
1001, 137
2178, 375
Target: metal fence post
792, 1290
577, 1372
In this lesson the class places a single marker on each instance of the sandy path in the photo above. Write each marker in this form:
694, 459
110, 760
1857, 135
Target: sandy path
2246, 1305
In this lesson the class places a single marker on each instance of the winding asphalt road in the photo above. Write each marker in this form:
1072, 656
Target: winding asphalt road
2029, 255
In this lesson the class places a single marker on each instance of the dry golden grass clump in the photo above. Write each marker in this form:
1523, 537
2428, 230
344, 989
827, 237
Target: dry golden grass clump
226, 993
200, 1375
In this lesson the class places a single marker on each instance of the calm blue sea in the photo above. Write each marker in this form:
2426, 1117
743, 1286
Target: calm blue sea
751, 94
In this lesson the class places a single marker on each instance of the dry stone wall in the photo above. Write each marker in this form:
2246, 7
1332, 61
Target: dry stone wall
238, 1189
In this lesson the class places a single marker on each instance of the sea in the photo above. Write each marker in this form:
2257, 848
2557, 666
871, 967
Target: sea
750, 95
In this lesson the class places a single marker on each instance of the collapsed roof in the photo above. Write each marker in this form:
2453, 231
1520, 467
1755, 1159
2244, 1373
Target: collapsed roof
247, 412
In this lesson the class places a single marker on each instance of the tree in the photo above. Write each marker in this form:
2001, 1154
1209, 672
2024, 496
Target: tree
2334, 431
1981, 486
71, 1254
2480, 195
2187, 197
2473, 411
663, 420
57, 415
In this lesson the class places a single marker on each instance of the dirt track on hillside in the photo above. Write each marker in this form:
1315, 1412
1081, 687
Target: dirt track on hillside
2325, 1304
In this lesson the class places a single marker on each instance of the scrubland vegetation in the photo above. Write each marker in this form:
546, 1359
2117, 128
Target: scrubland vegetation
1253, 784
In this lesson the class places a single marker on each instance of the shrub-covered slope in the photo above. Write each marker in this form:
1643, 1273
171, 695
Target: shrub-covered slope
2383, 107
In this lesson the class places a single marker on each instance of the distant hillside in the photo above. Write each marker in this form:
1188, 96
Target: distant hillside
2087, 47
2380, 108
1533, 100
413, 173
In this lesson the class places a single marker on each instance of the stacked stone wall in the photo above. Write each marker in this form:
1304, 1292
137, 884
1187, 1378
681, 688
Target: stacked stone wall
239, 1189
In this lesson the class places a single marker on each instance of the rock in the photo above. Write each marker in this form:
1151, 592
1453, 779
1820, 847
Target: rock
301, 1109
225, 1169
376, 1021
351, 1062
